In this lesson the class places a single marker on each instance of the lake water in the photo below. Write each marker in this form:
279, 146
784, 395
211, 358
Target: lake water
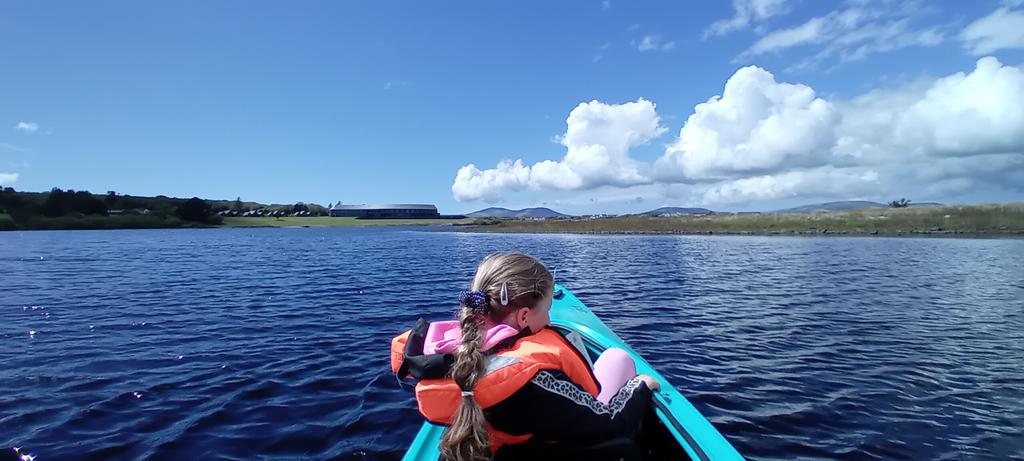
272, 343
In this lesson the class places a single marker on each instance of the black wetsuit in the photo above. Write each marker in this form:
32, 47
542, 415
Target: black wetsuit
569, 423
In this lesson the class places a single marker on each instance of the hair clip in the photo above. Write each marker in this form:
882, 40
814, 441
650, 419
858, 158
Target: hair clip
504, 293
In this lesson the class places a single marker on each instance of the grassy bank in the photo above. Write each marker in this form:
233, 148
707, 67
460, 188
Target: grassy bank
98, 222
1000, 219
6, 223
326, 221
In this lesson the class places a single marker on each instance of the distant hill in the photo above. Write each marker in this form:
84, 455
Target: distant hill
524, 213
834, 206
672, 210
845, 206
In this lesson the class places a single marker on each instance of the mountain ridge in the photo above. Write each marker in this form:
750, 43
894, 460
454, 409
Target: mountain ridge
674, 210
498, 212
544, 212
844, 205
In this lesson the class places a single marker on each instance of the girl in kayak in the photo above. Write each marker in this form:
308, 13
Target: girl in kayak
509, 387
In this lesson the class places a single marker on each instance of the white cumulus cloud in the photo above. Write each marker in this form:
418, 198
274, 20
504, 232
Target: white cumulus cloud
471, 183
960, 115
6, 179
1003, 29
968, 114
765, 139
27, 127
758, 125
940, 136
598, 138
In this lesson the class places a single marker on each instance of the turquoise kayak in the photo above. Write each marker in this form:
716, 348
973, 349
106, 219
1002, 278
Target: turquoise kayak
675, 430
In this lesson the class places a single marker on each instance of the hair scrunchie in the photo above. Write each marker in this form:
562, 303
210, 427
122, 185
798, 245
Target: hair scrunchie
476, 300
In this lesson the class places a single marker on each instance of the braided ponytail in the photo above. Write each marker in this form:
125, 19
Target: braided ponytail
467, 438
519, 280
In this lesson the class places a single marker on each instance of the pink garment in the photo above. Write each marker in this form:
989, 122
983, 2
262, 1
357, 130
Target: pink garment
613, 369
444, 337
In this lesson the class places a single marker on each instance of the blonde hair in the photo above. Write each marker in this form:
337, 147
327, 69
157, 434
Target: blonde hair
526, 282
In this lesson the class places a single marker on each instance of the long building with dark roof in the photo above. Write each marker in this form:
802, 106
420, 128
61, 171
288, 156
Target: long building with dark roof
386, 211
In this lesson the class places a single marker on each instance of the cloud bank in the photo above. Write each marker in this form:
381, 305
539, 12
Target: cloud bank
6, 179
765, 139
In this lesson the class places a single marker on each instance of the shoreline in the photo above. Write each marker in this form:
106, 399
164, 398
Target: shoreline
957, 221
491, 229
963, 221
998, 234
120, 223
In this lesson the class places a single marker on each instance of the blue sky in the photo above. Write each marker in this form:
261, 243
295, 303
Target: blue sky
371, 102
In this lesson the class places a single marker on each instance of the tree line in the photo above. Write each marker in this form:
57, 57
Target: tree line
71, 209
63, 207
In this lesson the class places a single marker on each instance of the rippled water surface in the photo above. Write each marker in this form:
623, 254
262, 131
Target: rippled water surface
272, 343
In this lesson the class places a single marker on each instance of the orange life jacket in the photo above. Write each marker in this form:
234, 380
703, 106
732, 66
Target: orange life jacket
508, 370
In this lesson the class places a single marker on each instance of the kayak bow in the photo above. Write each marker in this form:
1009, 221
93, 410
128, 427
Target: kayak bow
681, 425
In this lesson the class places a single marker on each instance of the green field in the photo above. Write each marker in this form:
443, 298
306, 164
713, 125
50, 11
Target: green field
326, 221
999, 219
